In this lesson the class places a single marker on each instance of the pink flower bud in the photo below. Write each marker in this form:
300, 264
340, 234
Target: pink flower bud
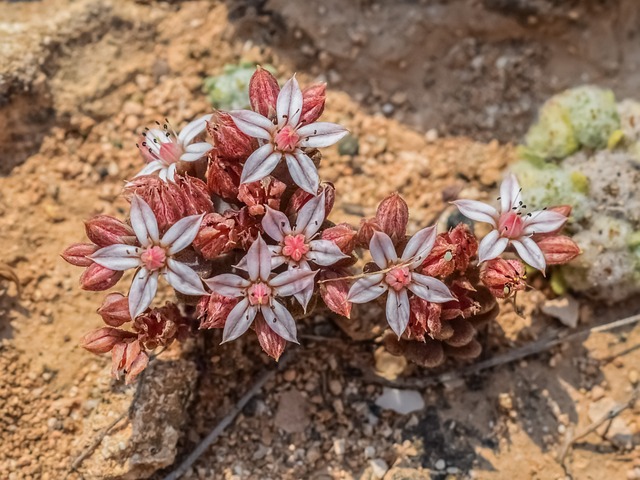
272, 343
115, 310
393, 216
263, 92
503, 277
335, 291
441, 260
96, 278
558, 249
104, 339
130, 357
213, 310
256, 195
367, 227
300, 197
562, 209
77, 253
160, 327
105, 230
343, 235
313, 99
217, 235
223, 178
230, 142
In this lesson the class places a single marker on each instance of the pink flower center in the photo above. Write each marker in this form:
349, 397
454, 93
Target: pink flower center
153, 258
259, 294
510, 225
287, 139
170, 152
398, 278
295, 246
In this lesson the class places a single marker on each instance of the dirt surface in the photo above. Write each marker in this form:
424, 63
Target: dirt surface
77, 80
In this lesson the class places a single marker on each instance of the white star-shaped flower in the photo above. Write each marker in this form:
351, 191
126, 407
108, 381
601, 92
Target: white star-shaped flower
285, 138
163, 149
511, 225
259, 294
154, 256
398, 277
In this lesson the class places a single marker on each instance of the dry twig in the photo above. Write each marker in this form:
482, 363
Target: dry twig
608, 417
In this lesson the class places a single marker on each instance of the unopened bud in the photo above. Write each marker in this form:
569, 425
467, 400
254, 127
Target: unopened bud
393, 216
272, 343
230, 142
104, 339
96, 278
223, 178
343, 235
561, 209
503, 277
266, 192
78, 253
441, 259
115, 310
313, 99
300, 198
105, 230
263, 92
217, 235
334, 290
213, 310
367, 227
558, 249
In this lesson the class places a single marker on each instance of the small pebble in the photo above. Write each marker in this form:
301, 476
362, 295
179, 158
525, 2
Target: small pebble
441, 464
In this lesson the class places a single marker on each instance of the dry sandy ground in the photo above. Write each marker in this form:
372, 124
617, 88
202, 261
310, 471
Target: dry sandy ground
76, 83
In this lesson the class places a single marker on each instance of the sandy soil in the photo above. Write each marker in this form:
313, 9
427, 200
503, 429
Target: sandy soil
78, 81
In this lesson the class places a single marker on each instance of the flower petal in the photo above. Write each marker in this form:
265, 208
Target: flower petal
280, 321
491, 246
530, 252
151, 167
289, 104
321, 134
143, 290
182, 233
509, 193
170, 174
276, 224
543, 221
419, 246
303, 172
430, 289
398, 311
183, 278
193, 129
367, 288
292, 281
143, 221
117, 257
382, 249
252, 124
325, 253
478, 211
311, 216
260, 164
228, 285
195, 151
259, 260
239, 320
303, 297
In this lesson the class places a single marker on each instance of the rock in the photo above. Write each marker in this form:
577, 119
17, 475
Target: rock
564, 308
339, 446
291, 415
441, 464
389, 366
397, 473
349, 145
149, 442
400, 401
335, 387
378, 468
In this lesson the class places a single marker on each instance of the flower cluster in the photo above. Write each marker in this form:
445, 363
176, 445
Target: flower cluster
232, 214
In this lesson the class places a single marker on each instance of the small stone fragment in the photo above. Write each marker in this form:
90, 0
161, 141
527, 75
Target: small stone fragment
400, 401
564, 308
